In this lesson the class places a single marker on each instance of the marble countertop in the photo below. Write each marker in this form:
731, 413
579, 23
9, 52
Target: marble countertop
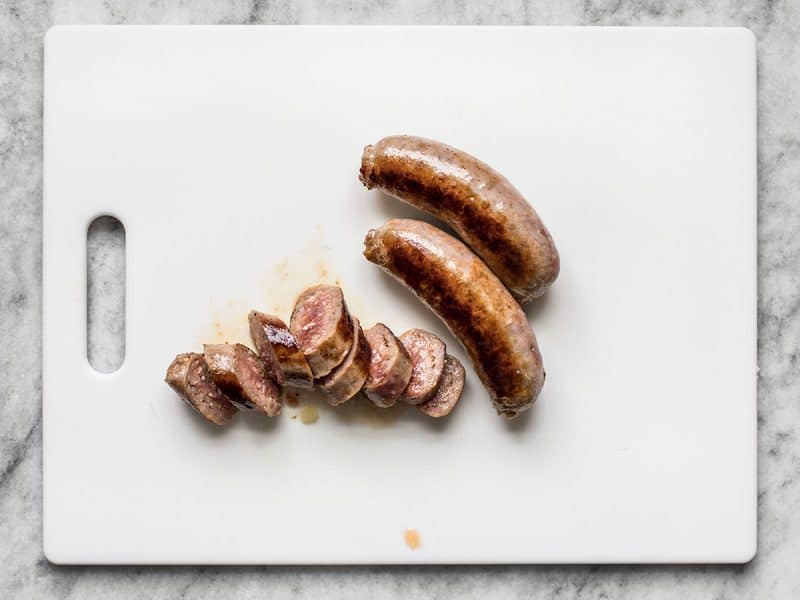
25, 573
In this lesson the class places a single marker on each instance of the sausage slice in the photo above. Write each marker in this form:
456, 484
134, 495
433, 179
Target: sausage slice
240, 373
278, 348
389, 367
346, 380
449, 391
427, 354
321, 324
189, 377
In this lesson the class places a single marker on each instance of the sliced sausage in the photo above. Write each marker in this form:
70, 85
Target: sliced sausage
389, 367
427, 354
188, 375
240, 373
481, 205
346, 380
321, 324
472, 302
449, 391
279, 350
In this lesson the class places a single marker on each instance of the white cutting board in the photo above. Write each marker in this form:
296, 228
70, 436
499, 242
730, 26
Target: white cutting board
231, 156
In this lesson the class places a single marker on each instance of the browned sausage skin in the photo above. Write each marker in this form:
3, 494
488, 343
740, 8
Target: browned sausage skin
481, 205
278, 348
472, 302
189, 377
240, 373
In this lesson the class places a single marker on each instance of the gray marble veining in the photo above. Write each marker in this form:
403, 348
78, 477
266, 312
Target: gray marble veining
24, 573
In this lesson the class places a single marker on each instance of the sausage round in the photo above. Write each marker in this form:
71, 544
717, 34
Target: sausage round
321, 324
278, 348
346, 380
389, 368
189, 377
481, 205
449, 391
240, 373
472, 302
427, 354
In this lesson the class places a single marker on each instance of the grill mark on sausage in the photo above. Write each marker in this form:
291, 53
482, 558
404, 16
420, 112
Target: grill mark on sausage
439, 199
410, 264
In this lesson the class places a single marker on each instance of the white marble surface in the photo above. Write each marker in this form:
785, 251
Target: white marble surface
24, 573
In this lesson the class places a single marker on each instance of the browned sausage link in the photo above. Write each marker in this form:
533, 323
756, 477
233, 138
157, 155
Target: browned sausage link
427, 354
481, 205
240, 373
449, 391
473, 303
278, 348
321, 324
189, 377
346, 380
389, 367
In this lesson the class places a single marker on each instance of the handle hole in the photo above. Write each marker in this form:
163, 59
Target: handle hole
105, 287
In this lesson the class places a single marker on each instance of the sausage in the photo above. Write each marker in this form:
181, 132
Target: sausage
481, 205
189, 377
449, 391
472, 302
240, 373
321, 324
389, 367
346, 380
427, 354
278, 348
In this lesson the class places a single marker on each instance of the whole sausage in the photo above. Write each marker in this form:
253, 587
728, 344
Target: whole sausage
481, 205
472, 302
189, 377
322, 326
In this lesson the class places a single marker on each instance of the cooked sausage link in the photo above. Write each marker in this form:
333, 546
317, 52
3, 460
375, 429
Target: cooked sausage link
427, 354
278, 348
189, 377
481, 205
240, 373
346, 380
321, 324
472, 302
449, 391
389, 368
